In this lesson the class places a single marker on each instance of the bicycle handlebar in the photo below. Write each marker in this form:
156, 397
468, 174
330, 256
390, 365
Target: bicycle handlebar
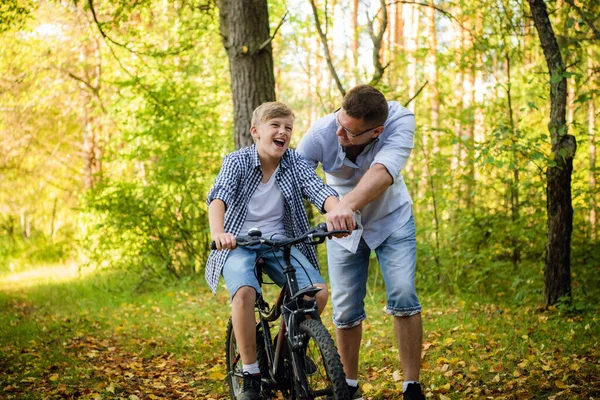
316, 235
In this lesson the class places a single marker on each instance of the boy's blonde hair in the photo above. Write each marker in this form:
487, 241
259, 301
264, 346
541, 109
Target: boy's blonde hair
270, 110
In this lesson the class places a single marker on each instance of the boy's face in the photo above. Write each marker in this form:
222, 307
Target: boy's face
273, 136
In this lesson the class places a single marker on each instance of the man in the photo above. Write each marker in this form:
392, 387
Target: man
363, 147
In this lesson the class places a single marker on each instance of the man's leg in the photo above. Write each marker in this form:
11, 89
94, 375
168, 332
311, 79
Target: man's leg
397, 257
348, 276
409, 336
348, 342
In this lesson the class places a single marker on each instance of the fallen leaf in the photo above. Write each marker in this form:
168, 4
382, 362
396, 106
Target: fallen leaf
575, 367
444, 388
217, 376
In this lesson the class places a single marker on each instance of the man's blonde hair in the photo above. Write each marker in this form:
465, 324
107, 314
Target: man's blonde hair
270, 110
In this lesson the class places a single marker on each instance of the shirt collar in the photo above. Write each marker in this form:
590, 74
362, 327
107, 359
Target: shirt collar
254, 156
283, 164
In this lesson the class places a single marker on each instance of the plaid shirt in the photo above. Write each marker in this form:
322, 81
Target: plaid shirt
237, 181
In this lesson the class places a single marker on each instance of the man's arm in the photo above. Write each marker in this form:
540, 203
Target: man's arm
385, 168
371, 186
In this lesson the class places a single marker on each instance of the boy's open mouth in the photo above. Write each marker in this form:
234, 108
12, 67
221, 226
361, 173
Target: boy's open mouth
279, 142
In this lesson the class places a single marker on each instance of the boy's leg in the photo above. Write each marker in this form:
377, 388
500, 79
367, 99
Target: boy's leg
397, 258
242, 285
306, 274
348, 277
244, 323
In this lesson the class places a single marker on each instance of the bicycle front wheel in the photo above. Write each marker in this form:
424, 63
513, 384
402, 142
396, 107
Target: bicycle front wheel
234, 361
323, 367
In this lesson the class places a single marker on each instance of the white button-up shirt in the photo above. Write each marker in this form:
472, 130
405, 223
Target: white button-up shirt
392, 209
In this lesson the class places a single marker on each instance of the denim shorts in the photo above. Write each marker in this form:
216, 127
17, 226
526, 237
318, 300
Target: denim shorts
238, 270
348, 272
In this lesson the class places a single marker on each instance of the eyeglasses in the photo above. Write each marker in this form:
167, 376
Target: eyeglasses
350, 134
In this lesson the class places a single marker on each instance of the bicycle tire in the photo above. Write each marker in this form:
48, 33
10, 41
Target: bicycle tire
234, 362
329, 379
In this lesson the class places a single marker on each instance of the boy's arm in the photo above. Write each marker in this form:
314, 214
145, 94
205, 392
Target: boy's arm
223, 193
330, 203
216, 221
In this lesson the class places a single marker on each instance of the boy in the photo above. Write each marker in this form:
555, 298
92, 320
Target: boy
262, 186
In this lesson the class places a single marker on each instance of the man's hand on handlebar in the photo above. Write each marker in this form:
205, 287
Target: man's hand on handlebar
224, 241
340, 218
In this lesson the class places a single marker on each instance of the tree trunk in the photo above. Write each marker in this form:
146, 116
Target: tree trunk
244, 27
354, 44
557, 270
458, 153
592, 146
515, 181
468, 127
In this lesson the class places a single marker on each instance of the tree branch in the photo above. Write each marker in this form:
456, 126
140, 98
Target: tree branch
326, 49
269, 40
585, 18
438, 9
416, 94
377, 39
138, 53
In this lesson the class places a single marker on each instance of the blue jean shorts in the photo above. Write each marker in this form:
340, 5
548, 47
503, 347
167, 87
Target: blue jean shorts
348, 272
238, 270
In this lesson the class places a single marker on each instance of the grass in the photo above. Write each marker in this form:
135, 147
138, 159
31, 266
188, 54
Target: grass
64, 334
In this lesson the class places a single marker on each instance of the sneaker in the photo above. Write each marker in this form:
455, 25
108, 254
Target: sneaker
251, 388
355, 392
414, 392
309, 366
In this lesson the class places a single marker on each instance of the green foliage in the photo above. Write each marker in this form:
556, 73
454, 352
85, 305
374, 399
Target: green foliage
156, 226
17, 252
13, 14
148, 212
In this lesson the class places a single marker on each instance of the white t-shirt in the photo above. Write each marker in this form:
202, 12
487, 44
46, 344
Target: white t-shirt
266, 209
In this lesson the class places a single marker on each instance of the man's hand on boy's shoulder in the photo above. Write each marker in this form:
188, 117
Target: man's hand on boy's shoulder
224, 241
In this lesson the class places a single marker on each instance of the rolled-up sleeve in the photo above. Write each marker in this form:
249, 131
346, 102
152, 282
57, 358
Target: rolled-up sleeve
225, 182
397, 147
307, 148
313, 188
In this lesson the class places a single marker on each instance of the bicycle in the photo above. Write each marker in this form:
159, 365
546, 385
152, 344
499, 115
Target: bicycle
285, 363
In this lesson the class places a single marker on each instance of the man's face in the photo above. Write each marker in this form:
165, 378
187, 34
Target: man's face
354, 132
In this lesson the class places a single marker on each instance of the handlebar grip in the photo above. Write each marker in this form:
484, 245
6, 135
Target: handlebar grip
213, 245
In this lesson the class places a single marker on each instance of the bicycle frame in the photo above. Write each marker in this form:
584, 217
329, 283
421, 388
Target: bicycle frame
290, 305
284, 363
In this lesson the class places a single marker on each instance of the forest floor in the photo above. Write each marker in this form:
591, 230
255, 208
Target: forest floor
64, 334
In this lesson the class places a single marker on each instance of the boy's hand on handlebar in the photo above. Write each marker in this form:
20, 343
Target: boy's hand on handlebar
340, 218
224, 241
